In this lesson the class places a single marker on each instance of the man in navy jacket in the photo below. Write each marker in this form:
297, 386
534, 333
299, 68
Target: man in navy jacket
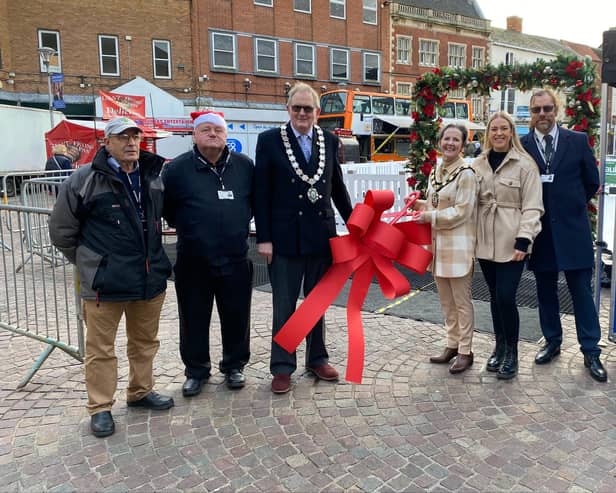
570, 178
297, 175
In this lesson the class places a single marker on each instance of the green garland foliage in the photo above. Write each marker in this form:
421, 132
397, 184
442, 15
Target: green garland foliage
571, 75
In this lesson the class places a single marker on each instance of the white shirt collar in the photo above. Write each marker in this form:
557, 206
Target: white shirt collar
554, 133
297, 134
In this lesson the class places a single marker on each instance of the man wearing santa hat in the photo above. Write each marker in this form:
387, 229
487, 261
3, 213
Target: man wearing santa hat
208, 200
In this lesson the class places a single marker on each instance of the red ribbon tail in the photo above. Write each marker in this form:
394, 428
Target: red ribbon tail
299, 325
356, 345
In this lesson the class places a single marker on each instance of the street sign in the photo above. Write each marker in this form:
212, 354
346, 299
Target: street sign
610, 173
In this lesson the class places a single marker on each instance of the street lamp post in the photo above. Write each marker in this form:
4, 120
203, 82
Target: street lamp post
46, 53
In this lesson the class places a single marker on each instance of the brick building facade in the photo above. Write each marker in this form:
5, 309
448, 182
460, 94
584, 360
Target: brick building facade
201, 51
100, 45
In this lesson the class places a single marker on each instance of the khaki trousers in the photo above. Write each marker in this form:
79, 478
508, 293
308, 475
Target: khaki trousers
457, 304
101, 363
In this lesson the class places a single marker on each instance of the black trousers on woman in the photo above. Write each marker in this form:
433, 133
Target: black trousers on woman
503, 279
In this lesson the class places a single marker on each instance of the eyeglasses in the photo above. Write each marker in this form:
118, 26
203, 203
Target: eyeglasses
548, 108
298, 107
126, 138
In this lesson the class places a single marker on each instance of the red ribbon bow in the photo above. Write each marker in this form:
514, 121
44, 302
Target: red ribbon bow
370, 248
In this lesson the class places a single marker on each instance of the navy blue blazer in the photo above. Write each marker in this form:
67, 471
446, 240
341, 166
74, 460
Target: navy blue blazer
565, 241
283, 213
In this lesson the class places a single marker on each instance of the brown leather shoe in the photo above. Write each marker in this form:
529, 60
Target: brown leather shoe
462, 363
281, 384
325, 372
446, 356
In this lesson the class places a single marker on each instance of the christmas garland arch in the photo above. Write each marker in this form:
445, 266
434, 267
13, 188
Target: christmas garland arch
575, 77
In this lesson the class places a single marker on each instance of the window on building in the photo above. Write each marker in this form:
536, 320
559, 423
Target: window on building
266, 55
161, 58
339, 64
478, 57
109, 55
265, 3
337, 9
477, 106
223, 51
459, 93
428, 52
372, 67
404, 88
507, 102
369, 11
50, 39
457, 55
302, 6
403, 49
509, 60
305, 60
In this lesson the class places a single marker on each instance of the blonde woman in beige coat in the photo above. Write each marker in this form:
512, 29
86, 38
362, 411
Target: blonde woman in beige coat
509, 219
451, 209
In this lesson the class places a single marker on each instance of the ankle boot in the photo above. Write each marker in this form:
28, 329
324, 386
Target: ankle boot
509, 368
497, 357
462, 363
445, 357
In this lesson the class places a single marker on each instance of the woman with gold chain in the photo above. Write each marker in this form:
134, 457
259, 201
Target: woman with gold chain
451, 210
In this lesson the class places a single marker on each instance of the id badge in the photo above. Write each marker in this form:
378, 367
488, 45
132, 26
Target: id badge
547, 178
225, 194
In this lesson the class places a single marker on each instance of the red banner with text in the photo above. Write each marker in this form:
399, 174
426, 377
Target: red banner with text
115, 105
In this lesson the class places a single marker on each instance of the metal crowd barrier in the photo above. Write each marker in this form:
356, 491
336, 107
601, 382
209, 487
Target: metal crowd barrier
359, 183
40, 193
10, 183
40, 299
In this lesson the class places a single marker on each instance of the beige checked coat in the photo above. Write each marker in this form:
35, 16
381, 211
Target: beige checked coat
453, 220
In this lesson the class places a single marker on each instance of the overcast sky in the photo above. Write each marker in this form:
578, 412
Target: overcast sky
581, 21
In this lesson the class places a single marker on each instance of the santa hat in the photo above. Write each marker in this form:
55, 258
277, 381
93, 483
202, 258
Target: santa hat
214, 117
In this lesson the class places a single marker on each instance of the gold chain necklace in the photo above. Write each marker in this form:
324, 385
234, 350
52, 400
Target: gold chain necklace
438, 186
312, 193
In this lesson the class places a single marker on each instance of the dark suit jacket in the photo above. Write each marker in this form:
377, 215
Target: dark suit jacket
565, 241
283, 213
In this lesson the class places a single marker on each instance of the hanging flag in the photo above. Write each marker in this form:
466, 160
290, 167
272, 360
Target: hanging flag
115, 105
57, 89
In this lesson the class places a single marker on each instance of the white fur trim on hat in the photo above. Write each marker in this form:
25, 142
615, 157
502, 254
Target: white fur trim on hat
213, 118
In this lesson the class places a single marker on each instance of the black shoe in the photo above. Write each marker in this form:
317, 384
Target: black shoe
547, 353
496, 359
153, 401
235, 379
102, 424
509, 368
595, 368
192, 387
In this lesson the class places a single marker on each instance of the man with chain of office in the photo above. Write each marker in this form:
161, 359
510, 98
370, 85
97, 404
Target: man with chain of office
297, 175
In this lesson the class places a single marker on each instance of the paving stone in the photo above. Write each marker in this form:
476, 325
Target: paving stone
410, 426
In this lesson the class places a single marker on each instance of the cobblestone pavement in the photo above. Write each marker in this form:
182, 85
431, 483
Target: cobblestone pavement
410, 426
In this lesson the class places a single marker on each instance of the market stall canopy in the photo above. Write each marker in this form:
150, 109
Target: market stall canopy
83, 138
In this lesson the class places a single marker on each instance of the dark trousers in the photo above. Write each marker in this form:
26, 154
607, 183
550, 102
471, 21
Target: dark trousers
586, 319
503, 279
286, 275
197, 285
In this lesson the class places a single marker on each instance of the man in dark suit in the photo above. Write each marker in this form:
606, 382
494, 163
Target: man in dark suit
570, 178
297, 175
